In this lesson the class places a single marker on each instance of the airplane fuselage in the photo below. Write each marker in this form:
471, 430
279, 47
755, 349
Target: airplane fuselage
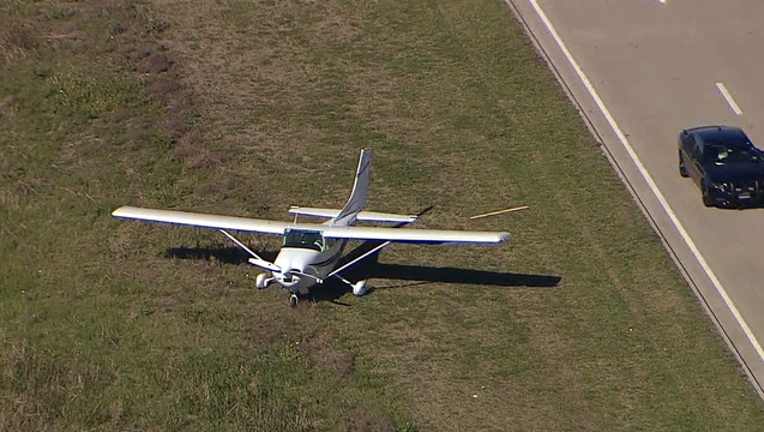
317, 257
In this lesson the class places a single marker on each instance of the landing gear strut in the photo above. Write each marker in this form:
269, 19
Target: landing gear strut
293, 300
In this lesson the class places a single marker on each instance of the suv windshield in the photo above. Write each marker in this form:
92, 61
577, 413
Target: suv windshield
304, 239
723, 155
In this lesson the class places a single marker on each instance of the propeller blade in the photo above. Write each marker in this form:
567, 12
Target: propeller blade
301, 274
265, 265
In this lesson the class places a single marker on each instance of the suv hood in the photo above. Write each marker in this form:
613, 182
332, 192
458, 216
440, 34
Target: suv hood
735, 172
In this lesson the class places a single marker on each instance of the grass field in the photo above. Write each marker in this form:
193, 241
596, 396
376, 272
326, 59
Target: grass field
245, 108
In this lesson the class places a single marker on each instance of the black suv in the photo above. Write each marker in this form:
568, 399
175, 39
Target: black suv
724, 163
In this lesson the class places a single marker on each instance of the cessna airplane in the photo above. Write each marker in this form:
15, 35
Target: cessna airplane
311, 252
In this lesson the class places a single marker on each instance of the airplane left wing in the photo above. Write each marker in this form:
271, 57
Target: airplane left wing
414, 235
203, 220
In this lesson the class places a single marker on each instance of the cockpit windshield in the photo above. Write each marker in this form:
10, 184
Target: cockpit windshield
304, 239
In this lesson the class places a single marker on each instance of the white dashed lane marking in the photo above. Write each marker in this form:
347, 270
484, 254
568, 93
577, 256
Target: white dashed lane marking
728, 98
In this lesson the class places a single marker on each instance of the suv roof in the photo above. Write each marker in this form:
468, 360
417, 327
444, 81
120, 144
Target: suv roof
726, 134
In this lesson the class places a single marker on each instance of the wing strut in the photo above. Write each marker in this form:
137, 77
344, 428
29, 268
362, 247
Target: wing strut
375, 250
257, 261
357, 260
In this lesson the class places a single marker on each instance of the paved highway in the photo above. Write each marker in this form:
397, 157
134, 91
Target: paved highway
641, 71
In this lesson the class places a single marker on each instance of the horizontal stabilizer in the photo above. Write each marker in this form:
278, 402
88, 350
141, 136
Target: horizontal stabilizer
364, 216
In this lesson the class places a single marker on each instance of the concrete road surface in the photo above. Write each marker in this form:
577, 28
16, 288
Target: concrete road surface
641, 71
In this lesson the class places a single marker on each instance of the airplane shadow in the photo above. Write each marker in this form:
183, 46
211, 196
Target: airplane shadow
371, 268
408, 275
414, 275
422, 275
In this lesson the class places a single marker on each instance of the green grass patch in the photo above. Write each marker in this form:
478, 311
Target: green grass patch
245, 108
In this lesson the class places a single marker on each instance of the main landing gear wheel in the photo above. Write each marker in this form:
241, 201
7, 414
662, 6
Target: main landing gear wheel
260, 281
706, 194
293, 300
359, 288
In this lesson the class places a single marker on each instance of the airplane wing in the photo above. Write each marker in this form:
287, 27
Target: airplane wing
414, 235
261, 226
204, 220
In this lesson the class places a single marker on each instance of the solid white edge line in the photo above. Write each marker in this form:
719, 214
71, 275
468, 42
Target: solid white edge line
729, 99
661, 199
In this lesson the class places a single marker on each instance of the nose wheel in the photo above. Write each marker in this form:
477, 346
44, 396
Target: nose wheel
293, 300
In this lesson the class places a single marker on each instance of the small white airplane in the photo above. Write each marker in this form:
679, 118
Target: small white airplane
310, 252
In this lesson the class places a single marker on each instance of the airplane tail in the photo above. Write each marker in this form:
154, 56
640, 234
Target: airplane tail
357, 200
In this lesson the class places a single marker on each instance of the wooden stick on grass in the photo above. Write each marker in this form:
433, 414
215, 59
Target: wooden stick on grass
500, 212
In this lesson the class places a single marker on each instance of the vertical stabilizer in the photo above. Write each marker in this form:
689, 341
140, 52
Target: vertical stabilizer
358, 197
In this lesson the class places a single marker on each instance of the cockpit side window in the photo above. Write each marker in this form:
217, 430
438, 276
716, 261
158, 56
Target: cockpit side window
303, 239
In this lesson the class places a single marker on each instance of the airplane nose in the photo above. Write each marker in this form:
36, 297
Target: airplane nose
288, 279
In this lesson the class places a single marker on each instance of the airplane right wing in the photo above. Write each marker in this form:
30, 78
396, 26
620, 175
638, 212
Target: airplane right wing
414, 235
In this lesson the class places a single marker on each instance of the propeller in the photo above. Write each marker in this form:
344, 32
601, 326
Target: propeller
317, 279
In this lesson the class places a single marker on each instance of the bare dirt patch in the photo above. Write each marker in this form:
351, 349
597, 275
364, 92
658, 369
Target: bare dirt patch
325, 354
163, 88
159, 63
362, 422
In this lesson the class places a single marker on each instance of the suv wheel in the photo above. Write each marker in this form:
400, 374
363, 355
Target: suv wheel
707, 200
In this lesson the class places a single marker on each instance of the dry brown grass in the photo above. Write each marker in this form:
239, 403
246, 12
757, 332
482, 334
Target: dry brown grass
16, 39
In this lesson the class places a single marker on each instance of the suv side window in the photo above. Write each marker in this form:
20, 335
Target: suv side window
688, 142
683, 139
695, 147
